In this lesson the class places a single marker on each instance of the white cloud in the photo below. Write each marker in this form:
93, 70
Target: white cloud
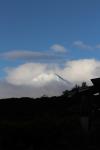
82, 45
81, 70
58, 48
35, 79
24, 74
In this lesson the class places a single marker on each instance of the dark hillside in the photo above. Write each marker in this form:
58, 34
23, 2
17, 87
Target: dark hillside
48, 123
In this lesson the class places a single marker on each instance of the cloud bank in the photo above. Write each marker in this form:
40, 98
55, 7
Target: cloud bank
36, 80
36, 73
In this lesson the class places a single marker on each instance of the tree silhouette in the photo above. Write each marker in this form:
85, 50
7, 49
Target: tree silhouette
76, 87
84, 84
65, 93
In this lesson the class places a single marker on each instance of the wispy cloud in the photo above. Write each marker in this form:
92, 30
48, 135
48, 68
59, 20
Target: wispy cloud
98, 46
30, 55
35, 55
58, 48
23, 54
82, 45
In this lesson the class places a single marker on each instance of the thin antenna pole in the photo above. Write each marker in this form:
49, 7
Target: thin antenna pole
61, 78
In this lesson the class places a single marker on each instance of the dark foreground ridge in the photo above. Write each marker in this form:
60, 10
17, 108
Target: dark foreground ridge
70, 121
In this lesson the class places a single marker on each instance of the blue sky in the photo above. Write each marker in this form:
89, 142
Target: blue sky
49, 32
36, 24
